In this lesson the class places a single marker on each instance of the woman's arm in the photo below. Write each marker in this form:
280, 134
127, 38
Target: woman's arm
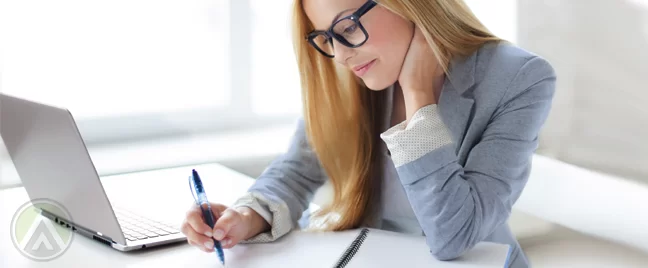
285, 188
458, 206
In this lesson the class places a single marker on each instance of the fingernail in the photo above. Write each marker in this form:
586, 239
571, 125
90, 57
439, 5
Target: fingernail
218, 234
227, 242
208, 234
209, 244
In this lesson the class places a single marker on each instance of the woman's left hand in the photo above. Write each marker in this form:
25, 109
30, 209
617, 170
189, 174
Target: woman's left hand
418, 74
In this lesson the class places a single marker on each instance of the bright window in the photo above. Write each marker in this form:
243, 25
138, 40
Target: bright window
275, 78
116, 58
167, 61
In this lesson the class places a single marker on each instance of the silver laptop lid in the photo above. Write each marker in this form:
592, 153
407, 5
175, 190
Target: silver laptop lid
53, 163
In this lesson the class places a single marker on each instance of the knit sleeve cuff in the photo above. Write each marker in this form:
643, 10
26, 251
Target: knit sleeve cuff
275, 213
424, 133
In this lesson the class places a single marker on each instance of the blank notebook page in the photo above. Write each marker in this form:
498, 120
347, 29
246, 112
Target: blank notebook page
379, 249
388, 249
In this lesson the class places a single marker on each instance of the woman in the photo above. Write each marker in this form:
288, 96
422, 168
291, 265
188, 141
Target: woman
422, 120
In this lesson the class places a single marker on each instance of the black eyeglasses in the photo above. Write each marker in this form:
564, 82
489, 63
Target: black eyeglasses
348, 31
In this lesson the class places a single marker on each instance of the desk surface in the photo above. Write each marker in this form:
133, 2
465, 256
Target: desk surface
170, 196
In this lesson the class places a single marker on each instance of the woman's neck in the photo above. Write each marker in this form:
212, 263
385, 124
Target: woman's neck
398, 114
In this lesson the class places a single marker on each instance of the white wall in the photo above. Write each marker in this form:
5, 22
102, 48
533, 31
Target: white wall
600, 52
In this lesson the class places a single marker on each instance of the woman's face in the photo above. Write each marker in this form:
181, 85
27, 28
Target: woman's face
378, 61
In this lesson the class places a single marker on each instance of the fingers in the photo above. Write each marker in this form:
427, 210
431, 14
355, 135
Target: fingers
200, 235
230, 241
418, 37
218, 209
204, 243
195, 219
224, 223
223, 227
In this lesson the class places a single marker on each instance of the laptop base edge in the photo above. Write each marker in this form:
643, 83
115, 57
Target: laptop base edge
133, 246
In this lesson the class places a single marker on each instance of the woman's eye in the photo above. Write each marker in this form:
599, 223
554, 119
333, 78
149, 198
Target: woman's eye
350, 29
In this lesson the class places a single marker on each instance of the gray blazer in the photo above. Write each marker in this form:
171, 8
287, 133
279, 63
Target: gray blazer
478, 140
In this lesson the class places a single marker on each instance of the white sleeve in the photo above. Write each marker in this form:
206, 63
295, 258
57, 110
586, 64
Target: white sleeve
275, 213
424, 133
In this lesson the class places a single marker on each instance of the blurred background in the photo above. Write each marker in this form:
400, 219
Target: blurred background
155, 84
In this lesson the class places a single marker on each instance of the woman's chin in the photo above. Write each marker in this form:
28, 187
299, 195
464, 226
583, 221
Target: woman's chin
377, 84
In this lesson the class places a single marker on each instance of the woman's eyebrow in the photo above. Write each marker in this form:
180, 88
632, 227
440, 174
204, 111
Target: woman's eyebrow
340, 14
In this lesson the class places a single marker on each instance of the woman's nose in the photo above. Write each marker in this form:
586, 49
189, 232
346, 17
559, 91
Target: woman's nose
342, 52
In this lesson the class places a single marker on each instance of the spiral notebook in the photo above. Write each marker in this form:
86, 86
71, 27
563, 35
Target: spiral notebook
356, 249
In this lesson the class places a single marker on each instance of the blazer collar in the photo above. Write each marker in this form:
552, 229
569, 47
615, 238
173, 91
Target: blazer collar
461, 72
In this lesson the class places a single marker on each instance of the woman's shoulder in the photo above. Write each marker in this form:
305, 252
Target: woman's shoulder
507, 59
510, 69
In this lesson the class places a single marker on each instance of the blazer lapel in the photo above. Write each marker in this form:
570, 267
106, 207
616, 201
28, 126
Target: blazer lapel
455, 103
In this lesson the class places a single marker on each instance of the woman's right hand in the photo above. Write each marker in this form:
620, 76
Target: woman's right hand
232, 226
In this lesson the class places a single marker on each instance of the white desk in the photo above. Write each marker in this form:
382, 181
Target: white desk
169, 194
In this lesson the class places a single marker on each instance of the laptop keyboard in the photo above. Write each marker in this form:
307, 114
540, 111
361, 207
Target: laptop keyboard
136, 227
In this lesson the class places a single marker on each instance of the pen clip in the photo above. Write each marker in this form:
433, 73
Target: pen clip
193, 189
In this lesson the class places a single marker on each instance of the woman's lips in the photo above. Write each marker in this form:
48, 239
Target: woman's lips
362, 69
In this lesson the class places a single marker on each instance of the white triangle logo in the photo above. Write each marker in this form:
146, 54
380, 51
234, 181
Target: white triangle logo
40, 241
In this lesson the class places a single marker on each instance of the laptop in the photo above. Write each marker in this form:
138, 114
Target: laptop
53, 163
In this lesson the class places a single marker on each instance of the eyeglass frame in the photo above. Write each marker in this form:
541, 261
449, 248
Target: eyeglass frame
355, 17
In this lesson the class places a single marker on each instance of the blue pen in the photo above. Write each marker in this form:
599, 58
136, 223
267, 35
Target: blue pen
201, 199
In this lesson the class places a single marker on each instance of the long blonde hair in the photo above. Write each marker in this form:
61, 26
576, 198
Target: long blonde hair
342, 116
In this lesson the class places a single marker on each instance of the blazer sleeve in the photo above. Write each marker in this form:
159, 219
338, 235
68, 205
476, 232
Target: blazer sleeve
458, 205
285, 188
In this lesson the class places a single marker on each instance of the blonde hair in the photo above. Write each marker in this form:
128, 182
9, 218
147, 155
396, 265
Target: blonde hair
342, 116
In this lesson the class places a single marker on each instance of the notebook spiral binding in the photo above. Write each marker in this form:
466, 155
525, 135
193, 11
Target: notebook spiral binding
352, 249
